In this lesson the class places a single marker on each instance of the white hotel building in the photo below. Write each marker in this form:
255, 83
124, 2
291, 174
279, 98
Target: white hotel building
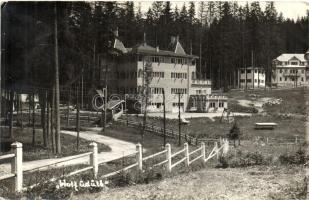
290, 70
173, 70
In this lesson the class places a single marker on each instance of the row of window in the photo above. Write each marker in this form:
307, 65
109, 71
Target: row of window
249, 71
292, 63
134, 75
156, 90
292, 71
250, 81
158, 74
290, 79
179, 75
161, 59
179, 90
213, 104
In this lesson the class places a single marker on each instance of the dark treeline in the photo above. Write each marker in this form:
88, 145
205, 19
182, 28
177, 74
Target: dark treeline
225, 35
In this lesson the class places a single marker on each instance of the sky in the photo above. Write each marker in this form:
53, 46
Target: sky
289, 9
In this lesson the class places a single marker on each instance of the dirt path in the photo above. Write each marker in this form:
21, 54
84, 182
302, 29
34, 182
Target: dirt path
119, 148
212, 184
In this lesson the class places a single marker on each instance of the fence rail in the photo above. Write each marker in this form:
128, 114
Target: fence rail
94, 164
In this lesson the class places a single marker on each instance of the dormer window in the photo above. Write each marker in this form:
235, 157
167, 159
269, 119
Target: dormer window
294, 63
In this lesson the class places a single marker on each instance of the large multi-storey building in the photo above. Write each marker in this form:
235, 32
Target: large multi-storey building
290, 70
251, 77
172, 70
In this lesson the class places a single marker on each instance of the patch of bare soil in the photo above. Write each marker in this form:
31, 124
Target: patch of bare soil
215, 184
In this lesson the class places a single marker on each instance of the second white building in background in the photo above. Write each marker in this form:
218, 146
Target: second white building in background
251, 77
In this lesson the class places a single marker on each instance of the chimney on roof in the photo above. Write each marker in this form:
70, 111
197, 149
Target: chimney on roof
116, 32
173, 39
157, 49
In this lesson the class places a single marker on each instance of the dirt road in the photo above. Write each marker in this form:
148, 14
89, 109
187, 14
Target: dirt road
118, 147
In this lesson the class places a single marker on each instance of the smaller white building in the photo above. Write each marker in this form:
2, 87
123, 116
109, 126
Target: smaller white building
252, 77
290, 70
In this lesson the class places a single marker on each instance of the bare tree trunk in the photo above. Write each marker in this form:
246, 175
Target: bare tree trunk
48, 123
43, 118
52, 111
57, 91
11, 113
33, 120
21, 111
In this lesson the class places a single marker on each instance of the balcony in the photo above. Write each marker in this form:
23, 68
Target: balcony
199, 82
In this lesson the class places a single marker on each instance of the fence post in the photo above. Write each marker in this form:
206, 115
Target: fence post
203, 151
225, 147
168, 157
216, 150
17, 165
187, 161
139, 156
94, 158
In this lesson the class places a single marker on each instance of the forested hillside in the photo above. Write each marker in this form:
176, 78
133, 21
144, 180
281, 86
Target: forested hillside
224, 35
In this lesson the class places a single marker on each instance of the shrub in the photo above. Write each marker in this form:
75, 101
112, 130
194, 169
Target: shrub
297, 158
248, 159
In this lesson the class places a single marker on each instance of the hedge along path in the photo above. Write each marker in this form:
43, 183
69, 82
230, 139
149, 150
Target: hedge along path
119, 148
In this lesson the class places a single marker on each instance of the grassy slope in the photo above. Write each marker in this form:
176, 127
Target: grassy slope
247, 183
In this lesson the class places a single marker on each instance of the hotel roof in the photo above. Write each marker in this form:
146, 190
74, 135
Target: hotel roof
289, 56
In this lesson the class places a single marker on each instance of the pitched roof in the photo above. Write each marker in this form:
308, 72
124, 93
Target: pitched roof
288, 56
175, 46
146, 49
119, 45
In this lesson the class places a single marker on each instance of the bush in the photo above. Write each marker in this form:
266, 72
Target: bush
248, 159
297, 158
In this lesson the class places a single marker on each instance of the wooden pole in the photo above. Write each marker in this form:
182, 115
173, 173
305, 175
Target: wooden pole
57, 92
77, 118
68, 109
164, 120
179, 121
33, 120
11, 113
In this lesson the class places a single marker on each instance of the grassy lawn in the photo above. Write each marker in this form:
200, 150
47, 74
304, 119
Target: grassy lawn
206, 128
294, 100
38, 151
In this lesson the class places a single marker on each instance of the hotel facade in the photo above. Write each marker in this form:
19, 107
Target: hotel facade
172, 70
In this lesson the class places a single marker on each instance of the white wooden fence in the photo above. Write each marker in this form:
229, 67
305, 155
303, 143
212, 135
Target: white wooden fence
185, 156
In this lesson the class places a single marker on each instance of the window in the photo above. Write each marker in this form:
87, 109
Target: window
255, 80
242, 71
294, 63
302, 71
156, 90
285, 70
280, 79
178, 90
179, 75
285, 79
221, 104
140, 58
193, 62
242, 80
302, 79
248, 71
212, 104
172, 60
178, 104
248, 80
158, 74
291, 71
280, 71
